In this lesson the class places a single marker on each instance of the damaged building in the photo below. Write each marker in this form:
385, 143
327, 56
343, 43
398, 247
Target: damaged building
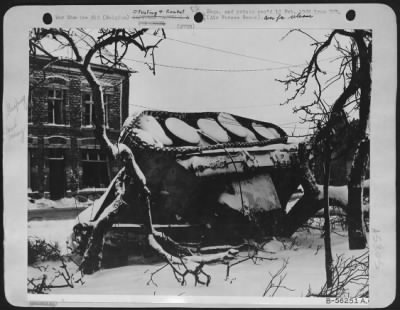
63, 154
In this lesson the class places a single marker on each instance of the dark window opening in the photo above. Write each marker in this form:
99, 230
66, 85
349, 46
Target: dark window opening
106, 99
56, 153
95, 169
95, 174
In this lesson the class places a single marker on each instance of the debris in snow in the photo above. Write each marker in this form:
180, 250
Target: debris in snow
251, 279
273, 246
62, 203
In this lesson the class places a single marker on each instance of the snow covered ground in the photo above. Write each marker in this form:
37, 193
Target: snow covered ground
305, 268
53, 231
44, 203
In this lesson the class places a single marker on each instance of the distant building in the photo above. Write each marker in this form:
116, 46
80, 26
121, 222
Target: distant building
63, 152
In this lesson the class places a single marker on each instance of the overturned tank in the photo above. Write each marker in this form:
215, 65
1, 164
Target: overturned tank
214, 177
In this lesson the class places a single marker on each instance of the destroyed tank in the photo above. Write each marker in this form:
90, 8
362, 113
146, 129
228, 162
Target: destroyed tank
216, 176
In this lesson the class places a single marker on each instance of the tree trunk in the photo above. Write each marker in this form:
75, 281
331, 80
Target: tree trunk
92, 258
307, 205
327, 222
357, 235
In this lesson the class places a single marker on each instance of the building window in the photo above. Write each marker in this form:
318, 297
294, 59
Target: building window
56, 103
87, 101
94, 169
55, 153
106, 99
88, 108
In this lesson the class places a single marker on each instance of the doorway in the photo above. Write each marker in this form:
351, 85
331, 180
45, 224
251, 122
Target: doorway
57, 178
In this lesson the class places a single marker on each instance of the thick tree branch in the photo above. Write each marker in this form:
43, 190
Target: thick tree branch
127, 39
55, 32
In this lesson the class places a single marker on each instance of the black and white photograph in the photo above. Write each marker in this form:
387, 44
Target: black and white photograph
200, 162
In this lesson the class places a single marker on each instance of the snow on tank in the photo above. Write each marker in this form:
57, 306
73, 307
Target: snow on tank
172, 130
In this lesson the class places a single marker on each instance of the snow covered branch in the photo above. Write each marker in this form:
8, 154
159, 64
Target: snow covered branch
276, 281
353, 271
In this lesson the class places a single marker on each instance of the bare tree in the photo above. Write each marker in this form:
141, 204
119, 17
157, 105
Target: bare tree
120, 40
329, 118
352, 272
39, 251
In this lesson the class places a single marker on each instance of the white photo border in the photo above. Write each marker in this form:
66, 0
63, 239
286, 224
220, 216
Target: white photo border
378, 17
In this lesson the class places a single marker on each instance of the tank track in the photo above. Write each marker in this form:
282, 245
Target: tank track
129, 137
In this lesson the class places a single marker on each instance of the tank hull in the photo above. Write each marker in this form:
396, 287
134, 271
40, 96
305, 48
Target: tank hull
224, 191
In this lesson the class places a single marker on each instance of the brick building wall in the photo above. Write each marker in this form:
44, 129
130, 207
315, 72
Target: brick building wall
63, 153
